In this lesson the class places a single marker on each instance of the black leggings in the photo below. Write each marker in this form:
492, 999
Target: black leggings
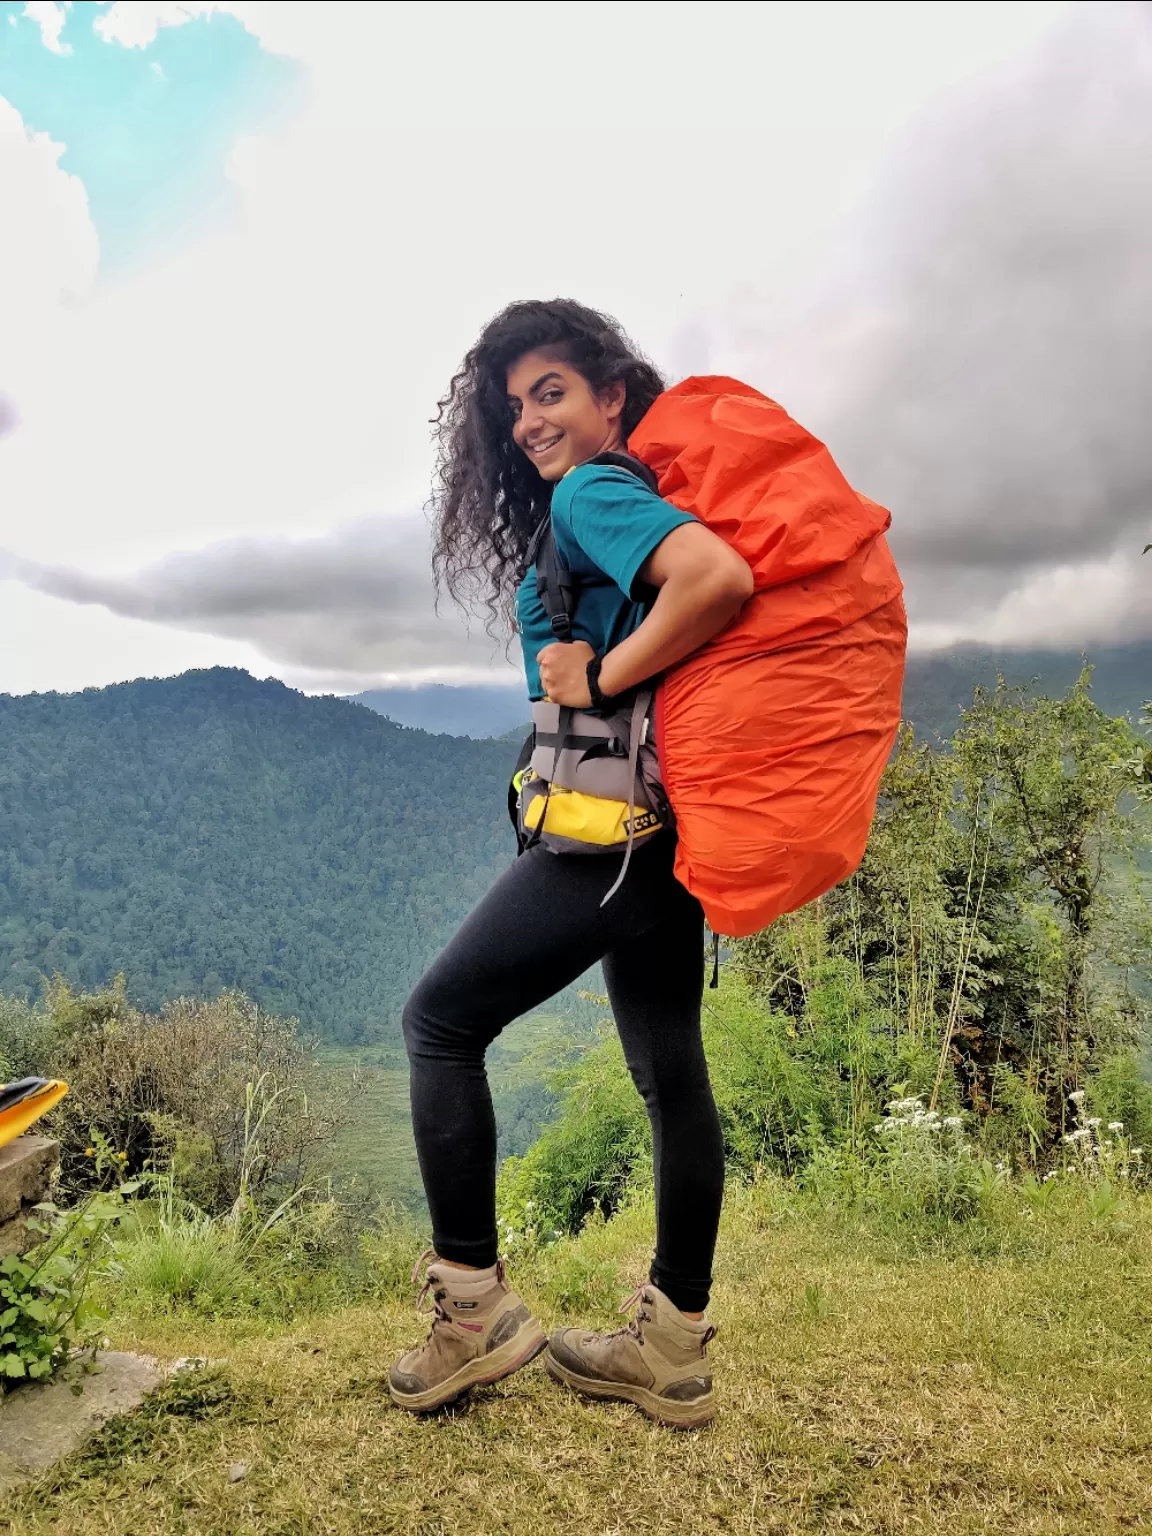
538, 928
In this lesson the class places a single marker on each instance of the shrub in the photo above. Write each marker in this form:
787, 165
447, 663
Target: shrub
1118, 1091
783, 1089
923, 1166
25, 1039
311, 1254
196, 1265
1101, 1152
583, 1161
174, 1089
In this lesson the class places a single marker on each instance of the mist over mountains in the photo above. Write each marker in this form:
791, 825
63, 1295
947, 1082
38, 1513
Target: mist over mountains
936, 686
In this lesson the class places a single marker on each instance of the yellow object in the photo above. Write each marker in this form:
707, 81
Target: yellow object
16, 1119
586, 818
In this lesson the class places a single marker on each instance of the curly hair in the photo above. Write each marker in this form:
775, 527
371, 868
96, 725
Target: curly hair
488, 499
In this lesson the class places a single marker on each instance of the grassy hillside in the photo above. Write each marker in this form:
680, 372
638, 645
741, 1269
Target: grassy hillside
376, 1147
865, 1383
211, 830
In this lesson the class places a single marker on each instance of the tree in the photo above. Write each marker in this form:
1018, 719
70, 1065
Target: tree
989, 942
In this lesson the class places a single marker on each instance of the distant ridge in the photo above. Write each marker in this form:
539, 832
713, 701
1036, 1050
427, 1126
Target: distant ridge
936, 688
938, 685
480, 711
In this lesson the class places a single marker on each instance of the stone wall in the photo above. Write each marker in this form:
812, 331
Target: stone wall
27, 1166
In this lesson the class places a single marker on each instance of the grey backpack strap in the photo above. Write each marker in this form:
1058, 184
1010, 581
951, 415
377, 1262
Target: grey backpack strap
563, 733
639, 724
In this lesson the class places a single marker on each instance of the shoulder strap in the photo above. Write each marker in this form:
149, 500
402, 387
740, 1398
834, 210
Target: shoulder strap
556, 586
632, 464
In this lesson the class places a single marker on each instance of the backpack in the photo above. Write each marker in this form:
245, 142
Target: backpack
771, 739
773, 736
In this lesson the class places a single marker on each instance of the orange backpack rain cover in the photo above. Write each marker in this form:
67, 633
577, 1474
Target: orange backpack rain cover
772, 738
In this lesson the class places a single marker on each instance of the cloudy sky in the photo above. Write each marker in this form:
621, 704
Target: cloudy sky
243, 246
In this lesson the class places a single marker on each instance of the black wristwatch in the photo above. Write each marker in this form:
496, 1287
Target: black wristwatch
599, 699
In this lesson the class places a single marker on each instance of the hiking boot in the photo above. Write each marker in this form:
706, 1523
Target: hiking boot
481, 1331
657, 1362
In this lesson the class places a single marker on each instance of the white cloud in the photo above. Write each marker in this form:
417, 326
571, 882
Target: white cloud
1102, 602
50, 247
135, 25
979, 354
276, 382
50, 19
50, 645
355, 605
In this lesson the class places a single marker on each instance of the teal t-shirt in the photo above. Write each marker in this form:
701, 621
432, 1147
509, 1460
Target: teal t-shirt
606, 523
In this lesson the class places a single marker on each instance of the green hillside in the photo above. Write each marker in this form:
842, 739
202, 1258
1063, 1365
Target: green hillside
211, 830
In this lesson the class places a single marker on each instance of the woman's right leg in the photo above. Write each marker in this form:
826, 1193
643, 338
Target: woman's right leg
538, 928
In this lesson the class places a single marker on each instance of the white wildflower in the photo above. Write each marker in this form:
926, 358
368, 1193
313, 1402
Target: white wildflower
1115, 1125
1074, 1136
953, 1122
1094, 1122
1078, 1097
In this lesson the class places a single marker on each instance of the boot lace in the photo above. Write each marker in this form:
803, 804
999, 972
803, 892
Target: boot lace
635, 1326
436, 1312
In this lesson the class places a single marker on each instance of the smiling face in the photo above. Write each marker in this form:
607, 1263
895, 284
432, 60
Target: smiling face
558, 419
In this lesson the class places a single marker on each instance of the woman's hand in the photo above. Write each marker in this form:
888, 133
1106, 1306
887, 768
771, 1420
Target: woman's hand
564, 673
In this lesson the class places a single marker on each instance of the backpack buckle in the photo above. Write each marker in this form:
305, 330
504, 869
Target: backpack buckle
561, 626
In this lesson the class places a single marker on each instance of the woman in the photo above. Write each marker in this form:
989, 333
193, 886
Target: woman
548, 387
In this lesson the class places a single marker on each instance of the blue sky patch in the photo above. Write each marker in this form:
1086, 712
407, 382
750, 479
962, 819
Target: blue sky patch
147, 130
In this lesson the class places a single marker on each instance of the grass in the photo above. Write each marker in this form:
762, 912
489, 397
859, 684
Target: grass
866, 1384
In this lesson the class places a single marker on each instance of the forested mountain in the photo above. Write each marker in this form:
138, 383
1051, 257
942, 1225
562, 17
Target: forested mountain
937, 685
211, 830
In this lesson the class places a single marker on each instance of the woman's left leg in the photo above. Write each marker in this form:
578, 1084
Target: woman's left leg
655, 984
659, 1362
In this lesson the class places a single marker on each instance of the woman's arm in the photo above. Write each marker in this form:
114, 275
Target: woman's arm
702, 585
